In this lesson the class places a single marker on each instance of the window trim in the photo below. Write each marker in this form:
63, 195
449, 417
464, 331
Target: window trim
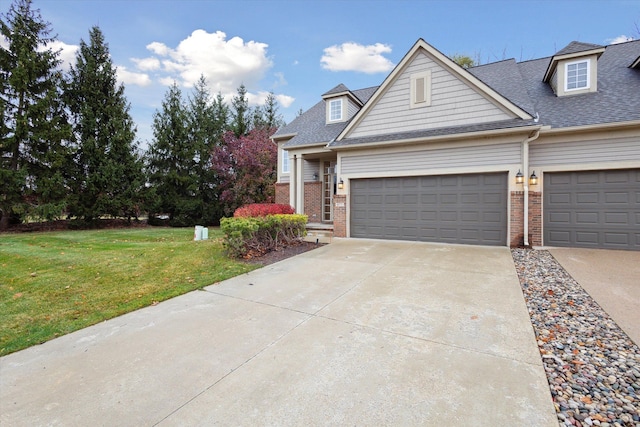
329, 113
285, 161
425, 76
566, 76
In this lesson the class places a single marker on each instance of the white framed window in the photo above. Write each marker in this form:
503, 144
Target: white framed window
285, 161
420, 89
335, 110
577, 75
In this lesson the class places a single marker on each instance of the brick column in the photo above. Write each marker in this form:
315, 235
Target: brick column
535, 218
516, 216
340, 215
313, 201
516, 234
282, 193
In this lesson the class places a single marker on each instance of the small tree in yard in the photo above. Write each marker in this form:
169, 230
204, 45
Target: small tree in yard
246, 166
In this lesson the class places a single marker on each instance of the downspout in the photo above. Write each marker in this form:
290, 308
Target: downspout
525, 167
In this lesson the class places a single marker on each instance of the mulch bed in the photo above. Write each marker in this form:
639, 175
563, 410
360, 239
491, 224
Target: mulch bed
283, 253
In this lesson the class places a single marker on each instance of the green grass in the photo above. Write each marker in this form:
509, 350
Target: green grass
54, 283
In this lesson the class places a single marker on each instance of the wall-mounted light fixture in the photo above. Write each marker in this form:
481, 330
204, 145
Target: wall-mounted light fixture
340, 184
315, 176
519, 177
533, 179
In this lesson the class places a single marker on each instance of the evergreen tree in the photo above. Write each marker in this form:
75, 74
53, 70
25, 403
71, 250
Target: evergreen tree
107, 173
240, 112
170, 162
34, 127
206, 124
272, 119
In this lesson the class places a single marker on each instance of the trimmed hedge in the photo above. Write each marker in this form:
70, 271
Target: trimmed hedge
262, 209
254, 236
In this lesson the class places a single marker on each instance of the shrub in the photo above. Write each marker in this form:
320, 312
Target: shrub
254, 236
262, 209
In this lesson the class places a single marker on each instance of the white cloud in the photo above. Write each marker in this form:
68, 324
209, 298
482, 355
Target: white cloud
129, 77
147, 64
280, 80
226, 64
4, 43
620, 39
351, 56
67, 52
285, 100
259, 98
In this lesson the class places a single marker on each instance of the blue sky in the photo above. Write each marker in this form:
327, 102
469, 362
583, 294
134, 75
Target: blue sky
301, 49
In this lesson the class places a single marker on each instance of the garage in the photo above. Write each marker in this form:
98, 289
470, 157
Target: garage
466, 209
592, 209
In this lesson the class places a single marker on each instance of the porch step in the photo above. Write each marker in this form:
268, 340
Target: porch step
319, 233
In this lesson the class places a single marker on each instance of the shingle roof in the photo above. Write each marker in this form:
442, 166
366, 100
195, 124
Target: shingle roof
311, 128
428, 133
338, 89
504, 77
575, 47
616, 100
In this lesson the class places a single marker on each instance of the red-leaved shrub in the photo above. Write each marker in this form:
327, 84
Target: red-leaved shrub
262, 209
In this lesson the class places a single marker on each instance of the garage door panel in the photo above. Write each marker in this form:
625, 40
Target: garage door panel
616, 197
621, 239
585, 198
469, 208
449, 198
587, 218
597, 209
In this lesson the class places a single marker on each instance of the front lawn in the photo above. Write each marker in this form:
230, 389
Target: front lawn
53, 283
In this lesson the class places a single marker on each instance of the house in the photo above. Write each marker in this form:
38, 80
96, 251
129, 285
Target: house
544, 152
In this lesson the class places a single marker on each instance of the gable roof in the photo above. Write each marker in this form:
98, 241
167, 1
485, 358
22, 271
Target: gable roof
617, 99
311, 128
519, 83
575, 47
452, 67
572, 50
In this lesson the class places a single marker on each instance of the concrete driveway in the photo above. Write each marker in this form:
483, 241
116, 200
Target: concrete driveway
612, 278
359, 332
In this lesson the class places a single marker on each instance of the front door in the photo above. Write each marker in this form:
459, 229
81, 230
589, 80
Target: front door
328, 189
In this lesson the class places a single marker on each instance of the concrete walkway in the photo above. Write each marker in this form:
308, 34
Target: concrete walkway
359, 332
612, 278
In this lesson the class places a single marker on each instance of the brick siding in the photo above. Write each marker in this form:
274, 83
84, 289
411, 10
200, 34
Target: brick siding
282, 193
340, 215
516, 234
313, 201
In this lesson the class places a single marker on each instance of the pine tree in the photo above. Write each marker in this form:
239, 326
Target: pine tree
107, 174
34, 127
272, 119
170, 162
206, 124
240, 112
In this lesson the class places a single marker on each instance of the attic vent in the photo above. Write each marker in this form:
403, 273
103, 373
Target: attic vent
421, 89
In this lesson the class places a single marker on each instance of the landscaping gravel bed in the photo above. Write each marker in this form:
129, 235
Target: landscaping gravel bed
592, 366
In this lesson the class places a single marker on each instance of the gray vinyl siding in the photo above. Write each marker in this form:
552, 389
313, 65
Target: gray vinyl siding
310, 167
352, 109
610, 150
453, 103
484, 155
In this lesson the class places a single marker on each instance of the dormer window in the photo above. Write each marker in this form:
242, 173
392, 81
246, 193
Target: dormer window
335, 110
574, 69
577, 75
